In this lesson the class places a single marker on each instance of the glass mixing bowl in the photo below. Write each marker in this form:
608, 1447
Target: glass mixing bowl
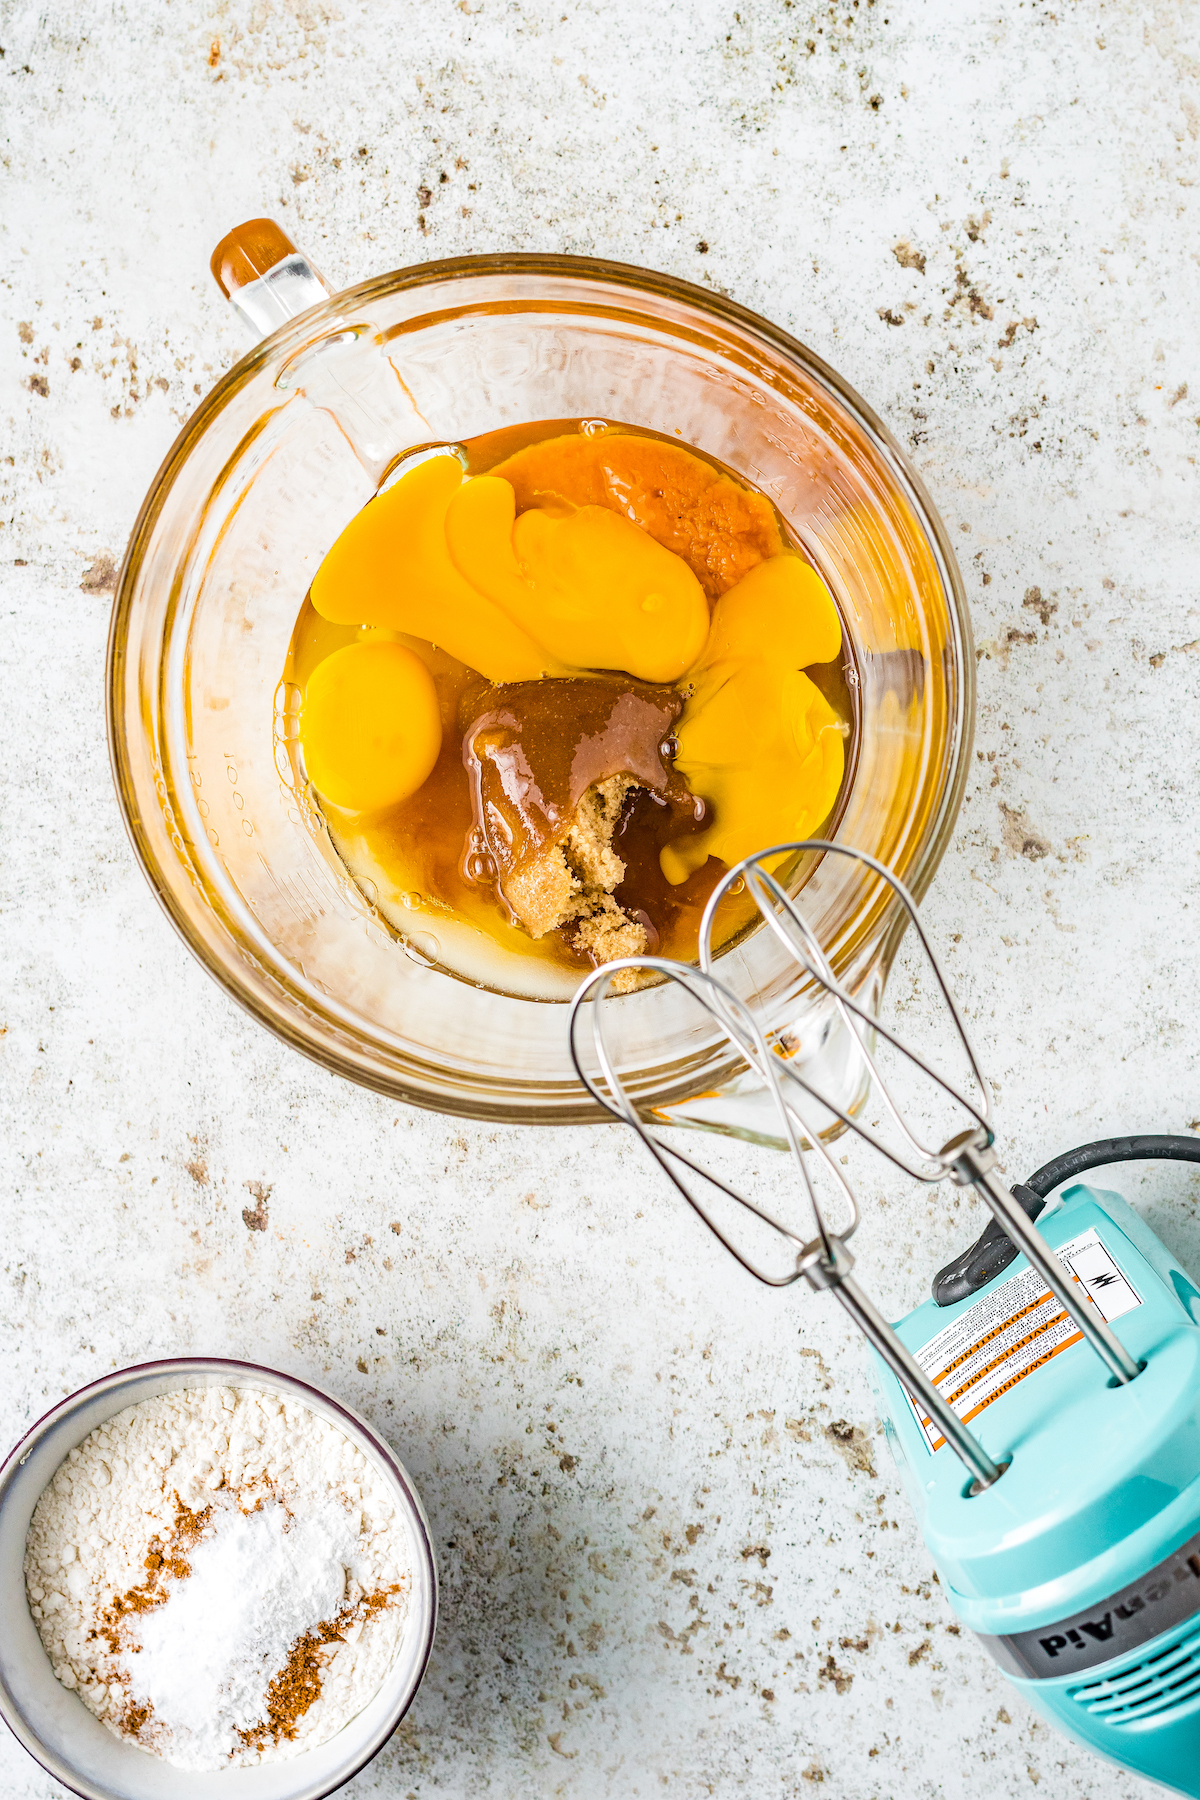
289, 445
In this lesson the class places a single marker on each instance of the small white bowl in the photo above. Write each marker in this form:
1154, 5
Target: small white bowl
56, 1727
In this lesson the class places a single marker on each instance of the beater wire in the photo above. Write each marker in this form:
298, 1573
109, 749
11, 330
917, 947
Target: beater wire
739, 1023
775, 905
968, 1158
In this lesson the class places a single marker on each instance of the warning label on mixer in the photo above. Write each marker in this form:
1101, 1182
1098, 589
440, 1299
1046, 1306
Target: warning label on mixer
1016, 1329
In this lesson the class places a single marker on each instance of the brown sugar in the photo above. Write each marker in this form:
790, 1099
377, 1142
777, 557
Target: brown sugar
574, 880
608, 933
545, 893
589, 843
570, 879
553, 765
533, 749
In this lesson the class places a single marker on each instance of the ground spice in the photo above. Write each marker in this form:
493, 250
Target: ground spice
298, 1684
161, 1554
134, 1718
179, 1554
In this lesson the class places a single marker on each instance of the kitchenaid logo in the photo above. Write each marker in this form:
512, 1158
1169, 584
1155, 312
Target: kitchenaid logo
1164, 1597
1100, 1630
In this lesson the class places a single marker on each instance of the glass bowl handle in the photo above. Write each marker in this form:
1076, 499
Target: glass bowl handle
346, 372
264, 277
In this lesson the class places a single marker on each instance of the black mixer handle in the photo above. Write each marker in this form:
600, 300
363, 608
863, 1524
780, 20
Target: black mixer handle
992, 1251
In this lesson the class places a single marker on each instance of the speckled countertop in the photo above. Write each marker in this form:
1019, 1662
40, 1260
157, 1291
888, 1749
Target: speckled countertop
674, 1558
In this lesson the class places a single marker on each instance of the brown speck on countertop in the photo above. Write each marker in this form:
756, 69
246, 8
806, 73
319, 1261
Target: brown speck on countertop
100, 576
908, 257
255, 1218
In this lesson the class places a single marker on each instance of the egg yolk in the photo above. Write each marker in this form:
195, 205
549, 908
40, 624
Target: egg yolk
757, 739
591, 587
370, 725
391, 567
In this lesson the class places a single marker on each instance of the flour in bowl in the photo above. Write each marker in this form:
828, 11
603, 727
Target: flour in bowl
220, 1575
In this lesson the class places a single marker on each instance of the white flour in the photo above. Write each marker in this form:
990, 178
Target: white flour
182, 1563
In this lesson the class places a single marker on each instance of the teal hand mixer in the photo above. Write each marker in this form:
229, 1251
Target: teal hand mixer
1043, 1406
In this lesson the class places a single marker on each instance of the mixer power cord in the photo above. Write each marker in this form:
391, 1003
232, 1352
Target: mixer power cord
992, 1251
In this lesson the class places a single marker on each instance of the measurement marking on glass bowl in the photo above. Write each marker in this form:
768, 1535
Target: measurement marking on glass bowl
238, 799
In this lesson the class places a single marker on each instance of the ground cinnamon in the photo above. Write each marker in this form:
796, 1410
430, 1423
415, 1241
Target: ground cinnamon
161, 1554
298, 1684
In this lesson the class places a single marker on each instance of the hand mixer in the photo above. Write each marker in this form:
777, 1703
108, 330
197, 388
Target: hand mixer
1053, 1461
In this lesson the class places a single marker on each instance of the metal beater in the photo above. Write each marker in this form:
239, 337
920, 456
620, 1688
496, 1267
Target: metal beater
1073, 1553
824, 1261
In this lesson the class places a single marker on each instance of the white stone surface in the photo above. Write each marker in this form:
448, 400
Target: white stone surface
593, 1403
